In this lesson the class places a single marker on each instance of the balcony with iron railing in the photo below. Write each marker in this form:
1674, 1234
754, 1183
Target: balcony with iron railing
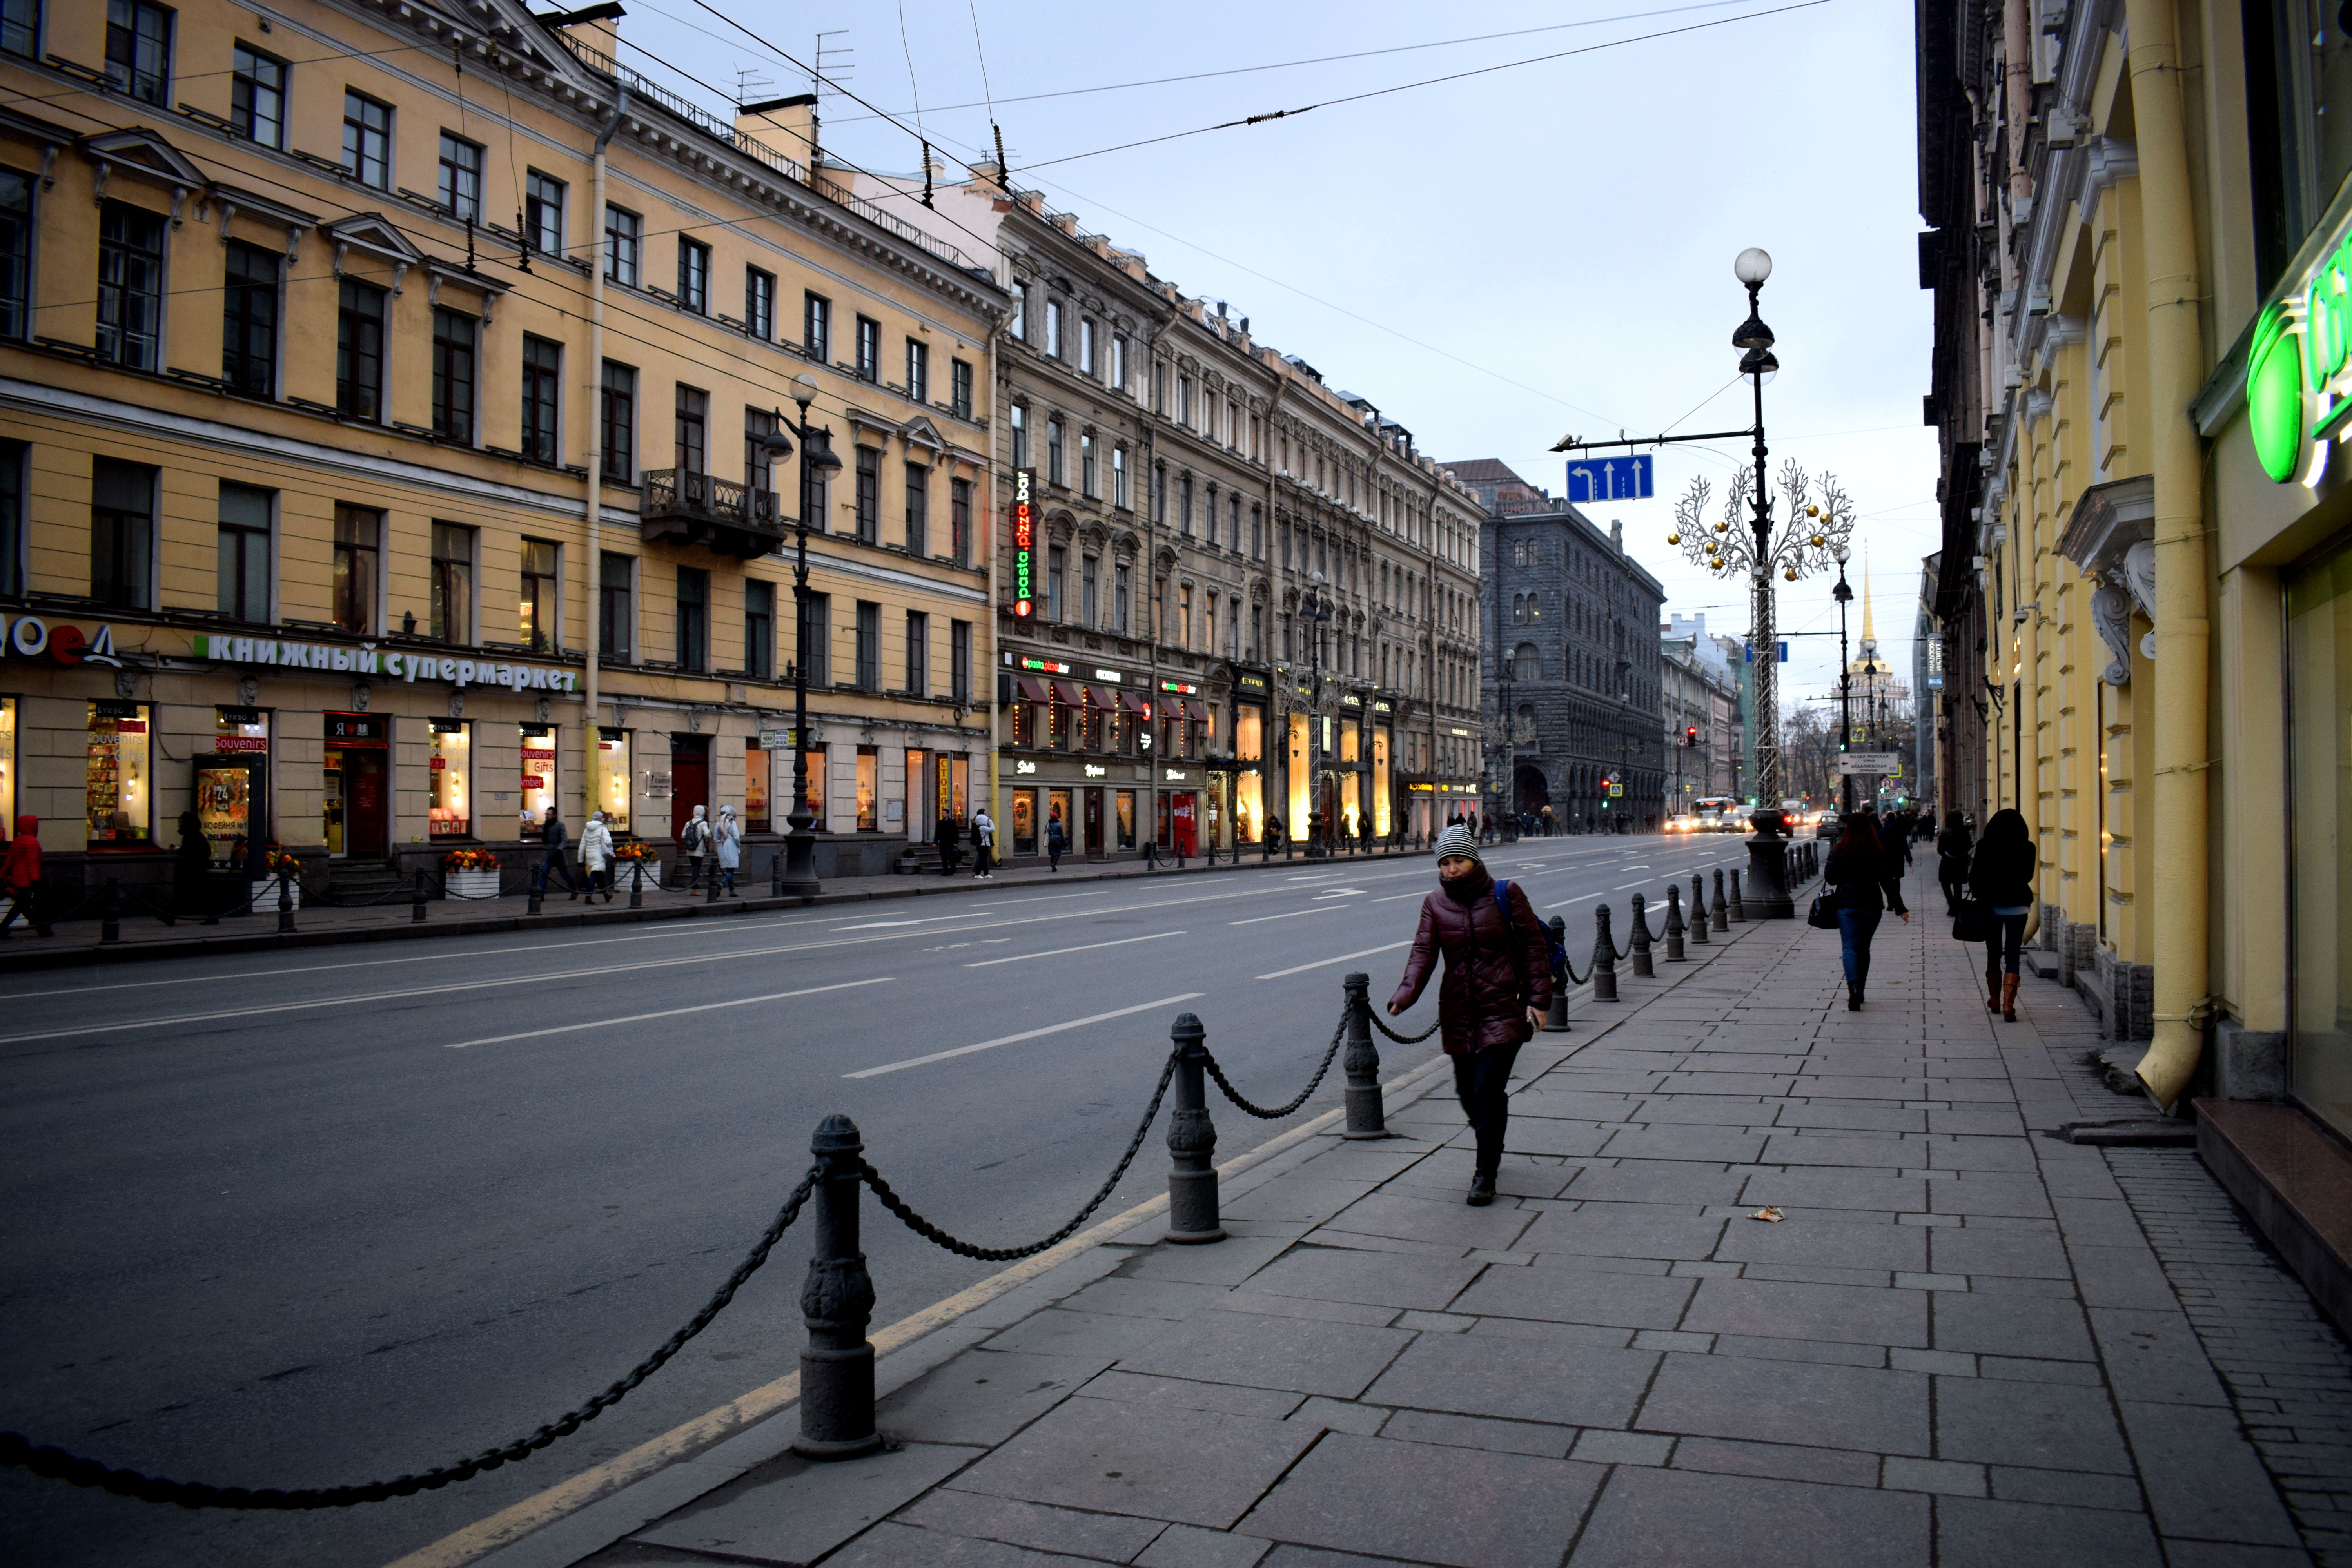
684, 508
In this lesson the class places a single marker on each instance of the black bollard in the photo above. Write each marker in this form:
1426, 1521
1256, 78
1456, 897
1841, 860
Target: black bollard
1191, 1143
712, 896
1739, 909
1644, 962
285, 902
1605, 956
1721, 916
836, 1302
636, 884
1265, 849
1674, 924
416, 898
1366, 1116
1699, 911
109, 925
776, 876
538, 886
1556, 1016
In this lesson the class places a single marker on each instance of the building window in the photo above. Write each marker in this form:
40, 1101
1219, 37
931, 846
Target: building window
919, 654
542, 593
1119, 361
543, 213
918, 370
616, 610
1209, 515
243, 583
452, 587
614, 785
816, 327
1185, 505
812, 645
869, 645
960, 520
1119, 582
869, 349
2298, 87
758, 470
257, 97
359, 350
1086, 344
918, 510
960, 661
624, 247
759, 304
1089, 572
1055, 555
869, 494
367, 139
454, 339
249, 320
1020, 328
20, 35
461, 178
130, 285
358, 553
960, 389
694, 276
1184, 400
542, 379
1118, 494
620, 417
813, 482
693, 618
139, 51
119, 798
1257, 532
15, 251
760, 629
448, 810
693, 426
1019, 415
1054, 328
12, 454
1053, 474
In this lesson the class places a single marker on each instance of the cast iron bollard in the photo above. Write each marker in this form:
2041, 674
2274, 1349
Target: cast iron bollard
1643, 962
836, 1302
1265, 849
1191, 1143
713, 897
636, 884
285, 902
1699, 911
1716, 913
776, 875
1366, 1117
109, 925
1674, 924
1739, 909
538, 885
416, 898
1605, 956
1556, 1016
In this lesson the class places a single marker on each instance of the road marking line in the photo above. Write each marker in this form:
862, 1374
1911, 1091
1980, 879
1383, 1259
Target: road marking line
1025, 1035
1565, 903
1392, 898
666, 1013
1327, 962
1057, 951
1286, 914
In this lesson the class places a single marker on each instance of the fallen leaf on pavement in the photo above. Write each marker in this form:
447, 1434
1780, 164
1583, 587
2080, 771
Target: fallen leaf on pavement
1768, 1213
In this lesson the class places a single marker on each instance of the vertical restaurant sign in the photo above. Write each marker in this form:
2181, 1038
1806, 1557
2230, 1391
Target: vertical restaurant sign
1024, 544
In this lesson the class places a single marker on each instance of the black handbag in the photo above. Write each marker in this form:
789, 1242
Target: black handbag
1971, 924
1822, 916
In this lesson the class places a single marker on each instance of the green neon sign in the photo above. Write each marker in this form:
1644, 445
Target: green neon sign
2299, 372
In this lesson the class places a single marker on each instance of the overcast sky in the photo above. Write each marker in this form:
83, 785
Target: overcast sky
1558, 235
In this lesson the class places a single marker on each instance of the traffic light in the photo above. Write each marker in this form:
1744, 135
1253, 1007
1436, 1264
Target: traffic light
1690, 735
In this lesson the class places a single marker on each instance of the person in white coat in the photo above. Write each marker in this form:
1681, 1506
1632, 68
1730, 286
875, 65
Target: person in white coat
694, 845
728, 840
984, 845
596, 855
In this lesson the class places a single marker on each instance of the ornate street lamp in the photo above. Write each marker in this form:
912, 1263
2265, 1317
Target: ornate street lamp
817, 459
1844, 596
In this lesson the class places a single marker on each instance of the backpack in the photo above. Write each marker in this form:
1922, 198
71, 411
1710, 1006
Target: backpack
1558, 948
694, 840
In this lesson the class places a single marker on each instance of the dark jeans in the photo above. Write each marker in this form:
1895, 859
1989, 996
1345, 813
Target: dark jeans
1955, 892
693, 871
983, 860
1855, 928
1482, 1081
950, 857
27, 903
557, 866
2007, 942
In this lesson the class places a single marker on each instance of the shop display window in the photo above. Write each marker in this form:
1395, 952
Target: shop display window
816, 790
118, 796
1127, 819
869, 770
1057, 803
1249, 734
2319, 696
1058, 730
1024, 725
1299, 809
957, 777
539, 778
613, 778
449, 804
756, 779
1249, 807
1383, 808
7, 766
1024, 822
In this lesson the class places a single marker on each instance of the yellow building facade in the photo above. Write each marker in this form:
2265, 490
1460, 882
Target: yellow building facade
314, 324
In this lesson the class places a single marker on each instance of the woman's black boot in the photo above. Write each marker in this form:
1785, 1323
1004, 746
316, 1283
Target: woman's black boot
1853, 998
1482, 1190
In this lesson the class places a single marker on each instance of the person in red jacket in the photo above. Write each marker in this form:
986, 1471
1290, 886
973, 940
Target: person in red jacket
1497, 985
20, 878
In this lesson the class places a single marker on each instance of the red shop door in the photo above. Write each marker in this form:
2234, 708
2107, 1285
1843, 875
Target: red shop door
689, 780
364, 803
1184, 816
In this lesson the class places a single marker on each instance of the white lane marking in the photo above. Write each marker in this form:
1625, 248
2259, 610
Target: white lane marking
665, 1013
1392, 898
1025, 1035
1327, 962
1629, 885
1342, 893
1057, 951
878, 925
1286, 914
1565, 903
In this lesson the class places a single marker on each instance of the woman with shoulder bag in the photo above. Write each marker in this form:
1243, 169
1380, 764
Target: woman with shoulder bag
2000, 878
1953, 847
1866, 881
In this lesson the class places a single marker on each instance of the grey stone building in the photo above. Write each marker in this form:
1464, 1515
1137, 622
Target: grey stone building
1570, 665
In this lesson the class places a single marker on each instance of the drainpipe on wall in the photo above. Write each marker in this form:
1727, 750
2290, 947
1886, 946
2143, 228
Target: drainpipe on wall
593, 570
2169, 239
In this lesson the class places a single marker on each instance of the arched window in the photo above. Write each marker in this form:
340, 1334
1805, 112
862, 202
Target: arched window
1526, 664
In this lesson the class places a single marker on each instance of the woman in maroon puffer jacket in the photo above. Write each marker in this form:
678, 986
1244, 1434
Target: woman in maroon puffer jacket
1497, 985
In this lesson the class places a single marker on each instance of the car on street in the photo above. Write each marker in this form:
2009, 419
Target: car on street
1718, 814
1682, 822
1826, 824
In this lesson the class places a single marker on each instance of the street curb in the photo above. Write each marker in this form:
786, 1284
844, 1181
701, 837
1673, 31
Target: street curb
698, 1438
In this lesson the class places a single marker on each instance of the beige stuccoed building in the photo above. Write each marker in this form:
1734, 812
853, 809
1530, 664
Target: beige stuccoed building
316, 321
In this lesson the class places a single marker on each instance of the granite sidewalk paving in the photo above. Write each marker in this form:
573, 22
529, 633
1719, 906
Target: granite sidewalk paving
1966, 1341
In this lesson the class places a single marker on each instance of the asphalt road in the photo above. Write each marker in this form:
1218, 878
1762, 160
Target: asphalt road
359, 1211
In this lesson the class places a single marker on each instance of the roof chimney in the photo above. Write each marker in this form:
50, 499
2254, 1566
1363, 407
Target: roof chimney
785, 126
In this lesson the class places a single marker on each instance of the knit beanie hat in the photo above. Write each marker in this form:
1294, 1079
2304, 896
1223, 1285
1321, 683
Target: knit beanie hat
1456, 840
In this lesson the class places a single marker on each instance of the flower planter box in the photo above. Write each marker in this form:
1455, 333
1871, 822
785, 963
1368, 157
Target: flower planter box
483, 884
625, 872
264, 894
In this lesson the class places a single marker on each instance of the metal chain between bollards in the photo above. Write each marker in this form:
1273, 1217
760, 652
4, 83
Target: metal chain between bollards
18, 1452
933, 1234
1405, 1040
1277, 1114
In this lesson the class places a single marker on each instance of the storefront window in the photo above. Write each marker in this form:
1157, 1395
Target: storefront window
1057, 736
816, 790
538, 780
2319, 677
1299, 809
7, 766
117, 795
1024, 822
755, 787
869, 769
1249, 785
955, 777
1127, 819
232, 804
448, 810
1383, 811
1057, 804
612, 777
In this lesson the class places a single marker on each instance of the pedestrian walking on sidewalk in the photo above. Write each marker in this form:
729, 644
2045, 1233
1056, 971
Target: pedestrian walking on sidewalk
2001, 878
1496, 988
596, 855
984, 845
947, 835
1057, 842
1953, 847
727, 842
557, 862
21, 880
1865, 877
694, 844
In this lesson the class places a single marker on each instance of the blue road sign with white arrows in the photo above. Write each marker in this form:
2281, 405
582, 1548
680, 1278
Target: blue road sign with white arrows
1610, 478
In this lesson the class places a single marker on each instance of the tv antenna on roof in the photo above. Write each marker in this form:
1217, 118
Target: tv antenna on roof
748, 78
833, 62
